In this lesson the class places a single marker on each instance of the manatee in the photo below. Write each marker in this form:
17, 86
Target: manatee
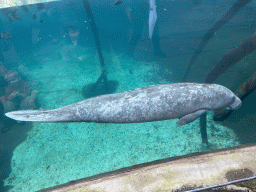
152, 17
117, 2
186, 101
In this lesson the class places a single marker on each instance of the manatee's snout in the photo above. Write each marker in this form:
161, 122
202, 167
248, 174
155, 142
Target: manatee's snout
237, 103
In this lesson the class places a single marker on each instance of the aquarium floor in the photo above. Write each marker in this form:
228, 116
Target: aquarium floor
56, 153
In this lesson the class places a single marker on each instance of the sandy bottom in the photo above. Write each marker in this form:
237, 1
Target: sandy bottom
55, 153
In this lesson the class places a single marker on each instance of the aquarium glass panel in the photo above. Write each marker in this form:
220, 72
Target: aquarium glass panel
14, 3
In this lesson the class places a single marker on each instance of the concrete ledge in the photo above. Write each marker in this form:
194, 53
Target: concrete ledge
179, 173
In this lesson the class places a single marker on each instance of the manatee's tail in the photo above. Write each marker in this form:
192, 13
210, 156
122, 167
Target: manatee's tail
55, 115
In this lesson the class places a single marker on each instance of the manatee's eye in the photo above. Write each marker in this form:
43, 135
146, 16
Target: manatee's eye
236, 103
230, 103
233, 100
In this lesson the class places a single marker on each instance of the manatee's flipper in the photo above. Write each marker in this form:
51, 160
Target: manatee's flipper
191, 117
39, 115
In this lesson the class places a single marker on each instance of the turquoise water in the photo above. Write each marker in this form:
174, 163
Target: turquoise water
60, 152
58, 61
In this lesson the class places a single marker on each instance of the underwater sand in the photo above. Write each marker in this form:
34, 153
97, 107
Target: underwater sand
55, 153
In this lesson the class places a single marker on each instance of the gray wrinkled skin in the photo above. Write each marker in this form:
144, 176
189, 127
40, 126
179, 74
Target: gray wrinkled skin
146, 104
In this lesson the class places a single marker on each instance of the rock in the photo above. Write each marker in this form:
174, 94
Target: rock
3, 70
29, 101
9, 106
12, 76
